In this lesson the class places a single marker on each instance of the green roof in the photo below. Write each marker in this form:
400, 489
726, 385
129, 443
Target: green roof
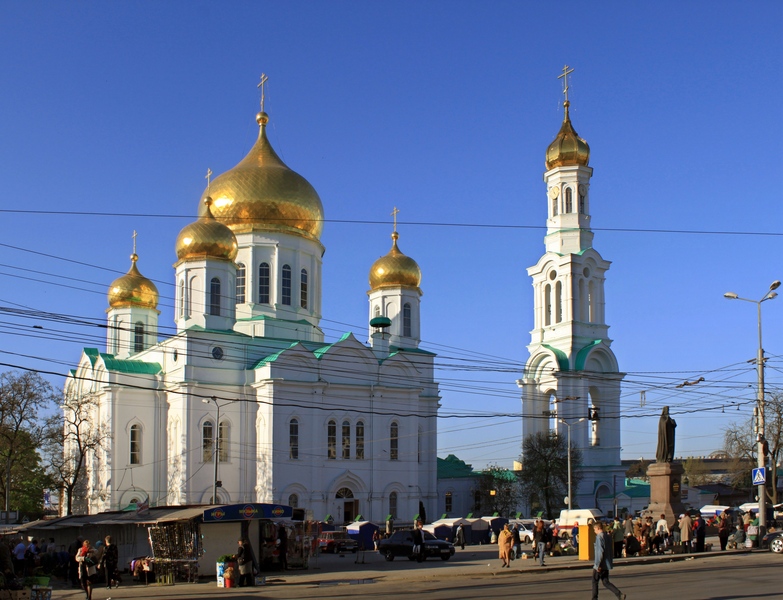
324, 349
452, 467
635, 489
272, 357
92, 354
130, 366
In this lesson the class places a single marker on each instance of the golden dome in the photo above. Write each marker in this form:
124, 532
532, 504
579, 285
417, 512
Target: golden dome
262, 194
206, 238
133, 289
568, 148
395, 269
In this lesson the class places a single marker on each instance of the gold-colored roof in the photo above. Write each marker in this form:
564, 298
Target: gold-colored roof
395, 269
262, 194
133, 289
206, 238
568, 148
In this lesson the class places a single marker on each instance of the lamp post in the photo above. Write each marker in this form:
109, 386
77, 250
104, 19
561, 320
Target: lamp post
762, 491
215, 481
568, 425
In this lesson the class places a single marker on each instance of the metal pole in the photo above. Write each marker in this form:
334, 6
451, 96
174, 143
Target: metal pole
762, 489
568, 425
217, 452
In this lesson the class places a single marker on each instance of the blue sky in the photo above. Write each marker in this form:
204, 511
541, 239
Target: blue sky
443, 109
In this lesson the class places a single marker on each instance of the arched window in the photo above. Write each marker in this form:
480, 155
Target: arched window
293, 439
377, 312
263, 283
135, 444
449, 502
224, 437
346, 439
581, 200
568, 201
207, 441
406, 320
554, 206
214, 297
115, 339
331, 440
241, 275
558, 302
591, 308
547, 304
344, 493
138, 337
582, 301
418, 450
182, 298
393, 505
360, 440
303, 288
394, 441
286, 285
293, 501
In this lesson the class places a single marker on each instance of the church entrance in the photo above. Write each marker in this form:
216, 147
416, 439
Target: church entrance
350, 506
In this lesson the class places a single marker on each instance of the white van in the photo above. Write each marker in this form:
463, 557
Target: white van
581, 516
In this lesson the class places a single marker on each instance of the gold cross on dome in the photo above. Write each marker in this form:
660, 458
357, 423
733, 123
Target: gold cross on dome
394, 214
264, 79
207, 177
134, 241
566, 71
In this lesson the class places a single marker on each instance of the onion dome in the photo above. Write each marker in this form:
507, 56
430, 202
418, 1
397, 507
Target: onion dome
262, 194
568, 148
395, 269
133, 289
206, 238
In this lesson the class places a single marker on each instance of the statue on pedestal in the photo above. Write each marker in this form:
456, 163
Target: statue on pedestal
666, 426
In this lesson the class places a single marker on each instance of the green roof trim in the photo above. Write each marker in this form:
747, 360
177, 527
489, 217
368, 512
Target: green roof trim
452, 467
395, 349
130, 366
324, 349
581, 356
272, 357
562, 359
72, 372
92, 354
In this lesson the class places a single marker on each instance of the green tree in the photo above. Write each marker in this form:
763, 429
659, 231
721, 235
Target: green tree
23, 397
638, 470
544, 474
498, 491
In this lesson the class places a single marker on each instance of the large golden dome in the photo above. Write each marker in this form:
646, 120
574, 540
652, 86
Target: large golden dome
568, 148
206, 238
395, 269
262, 194
133, 289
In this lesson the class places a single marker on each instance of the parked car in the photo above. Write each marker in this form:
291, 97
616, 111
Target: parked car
336, 541
773, 541
401, 544
525, 530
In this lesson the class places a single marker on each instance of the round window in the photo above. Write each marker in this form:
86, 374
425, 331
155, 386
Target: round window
586, 272
217, 353
552, 275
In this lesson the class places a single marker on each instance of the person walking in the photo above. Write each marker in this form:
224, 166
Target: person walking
109, 561
686, 532
376, 538
661, 535
575, 537
539, 541
418, 542
459, 538
85, 558
282, 536
700, 528
603, 562
517, 547
724, 529
505, 542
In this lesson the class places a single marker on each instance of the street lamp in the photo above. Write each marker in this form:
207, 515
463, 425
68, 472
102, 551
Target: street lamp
762, 491
568, 425
215, 481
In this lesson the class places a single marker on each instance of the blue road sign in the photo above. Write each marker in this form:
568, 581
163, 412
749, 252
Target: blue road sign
759, 476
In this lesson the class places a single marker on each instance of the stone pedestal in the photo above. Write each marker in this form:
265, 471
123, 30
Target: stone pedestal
665, 490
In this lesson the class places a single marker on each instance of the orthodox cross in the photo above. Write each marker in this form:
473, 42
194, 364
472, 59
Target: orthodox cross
264, 79
394, 214
566, 71
207, 177
134, 241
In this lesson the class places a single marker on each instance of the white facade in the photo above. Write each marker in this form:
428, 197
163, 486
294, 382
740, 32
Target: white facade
342, 429
572, 372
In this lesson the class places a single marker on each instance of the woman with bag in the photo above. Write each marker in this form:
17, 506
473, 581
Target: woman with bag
85, 558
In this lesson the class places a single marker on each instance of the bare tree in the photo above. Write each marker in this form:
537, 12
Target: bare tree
23, 396
696, 471
498, 491
638, 470
73, 439
741, 446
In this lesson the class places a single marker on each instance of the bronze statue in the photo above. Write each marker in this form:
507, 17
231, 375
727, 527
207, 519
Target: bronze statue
666, 425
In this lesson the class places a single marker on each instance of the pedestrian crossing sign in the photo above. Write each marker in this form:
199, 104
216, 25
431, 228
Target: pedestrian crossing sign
759, 476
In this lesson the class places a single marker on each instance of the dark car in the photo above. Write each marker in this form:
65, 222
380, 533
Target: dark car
336, 541
401, 544
773, 541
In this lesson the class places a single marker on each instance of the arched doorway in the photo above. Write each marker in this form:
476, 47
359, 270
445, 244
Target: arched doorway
350, 506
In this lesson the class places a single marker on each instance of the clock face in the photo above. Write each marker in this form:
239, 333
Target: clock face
582, 189
217, 352
554, 192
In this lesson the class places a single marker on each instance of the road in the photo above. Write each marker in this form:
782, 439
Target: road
710, 577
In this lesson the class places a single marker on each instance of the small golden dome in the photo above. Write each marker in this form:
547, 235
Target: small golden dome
262, 194
206, 238
395, 269
133, 289
568, 148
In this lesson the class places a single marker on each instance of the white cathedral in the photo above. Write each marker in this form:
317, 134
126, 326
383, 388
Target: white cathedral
246, 401
571, 378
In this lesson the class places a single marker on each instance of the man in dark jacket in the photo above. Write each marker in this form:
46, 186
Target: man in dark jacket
603, 562
418, 542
